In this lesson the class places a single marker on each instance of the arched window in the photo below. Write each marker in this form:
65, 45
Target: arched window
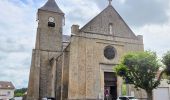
110, 28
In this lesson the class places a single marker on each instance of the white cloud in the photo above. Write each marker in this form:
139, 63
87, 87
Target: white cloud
78, 12
121, 1
17, 36
156, 37
15, 18
139, 12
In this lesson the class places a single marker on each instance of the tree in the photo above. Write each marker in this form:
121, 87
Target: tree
20, 92
140, 69
166, 61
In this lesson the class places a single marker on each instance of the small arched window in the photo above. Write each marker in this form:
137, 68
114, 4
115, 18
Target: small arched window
110, 28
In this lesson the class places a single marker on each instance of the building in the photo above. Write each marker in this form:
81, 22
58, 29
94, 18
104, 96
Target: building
6, 90
162, 92
79, 67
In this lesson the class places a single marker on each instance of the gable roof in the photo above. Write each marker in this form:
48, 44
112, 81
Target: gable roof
100, 23
52, 6
6, 85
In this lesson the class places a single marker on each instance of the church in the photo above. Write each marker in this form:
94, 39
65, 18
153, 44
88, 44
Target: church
80, 66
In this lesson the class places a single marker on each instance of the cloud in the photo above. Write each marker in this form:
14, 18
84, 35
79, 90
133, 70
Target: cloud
140, 12
17, 36
13, 45
19, 77
156, 37
13, 69
78, 12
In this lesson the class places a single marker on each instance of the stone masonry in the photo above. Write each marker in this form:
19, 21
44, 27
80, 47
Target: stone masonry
72, 68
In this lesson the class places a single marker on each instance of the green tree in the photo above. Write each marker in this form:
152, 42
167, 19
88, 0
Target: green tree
124, 88
166, 62
20, 92
140, 69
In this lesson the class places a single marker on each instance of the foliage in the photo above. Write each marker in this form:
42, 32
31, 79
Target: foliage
121, 70
124, 89
140, 69
20, 92
166, 61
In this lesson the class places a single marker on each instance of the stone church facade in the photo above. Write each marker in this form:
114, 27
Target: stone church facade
80, 66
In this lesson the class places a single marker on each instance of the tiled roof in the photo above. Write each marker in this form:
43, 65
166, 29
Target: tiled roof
52, 6
6, 85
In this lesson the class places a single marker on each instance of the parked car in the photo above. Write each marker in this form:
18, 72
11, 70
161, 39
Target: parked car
48, 98
126, 98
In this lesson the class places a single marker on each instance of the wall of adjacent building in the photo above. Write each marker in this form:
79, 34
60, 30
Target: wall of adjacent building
6, 94
163, 91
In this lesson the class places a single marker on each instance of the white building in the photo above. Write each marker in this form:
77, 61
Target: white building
6, 90
162, 92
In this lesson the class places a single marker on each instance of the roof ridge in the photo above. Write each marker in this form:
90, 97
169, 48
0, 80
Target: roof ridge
6, 85
116, 14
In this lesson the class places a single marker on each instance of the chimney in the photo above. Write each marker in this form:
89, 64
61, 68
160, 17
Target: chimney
74, 29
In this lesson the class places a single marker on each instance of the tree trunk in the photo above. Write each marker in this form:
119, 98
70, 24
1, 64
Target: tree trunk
149, 95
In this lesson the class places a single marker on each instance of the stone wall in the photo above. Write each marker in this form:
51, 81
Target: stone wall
34, 78
49, 38
86, 55
65, 75
48, 46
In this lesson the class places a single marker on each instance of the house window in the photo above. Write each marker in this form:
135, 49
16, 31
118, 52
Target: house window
110, 28
9, 92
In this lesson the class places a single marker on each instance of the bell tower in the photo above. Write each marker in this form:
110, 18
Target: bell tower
48, 45
50, 23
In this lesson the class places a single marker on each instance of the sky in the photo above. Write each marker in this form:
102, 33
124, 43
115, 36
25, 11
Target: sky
150, 18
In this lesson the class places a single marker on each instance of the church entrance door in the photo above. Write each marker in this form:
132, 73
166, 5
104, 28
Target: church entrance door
110, 88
